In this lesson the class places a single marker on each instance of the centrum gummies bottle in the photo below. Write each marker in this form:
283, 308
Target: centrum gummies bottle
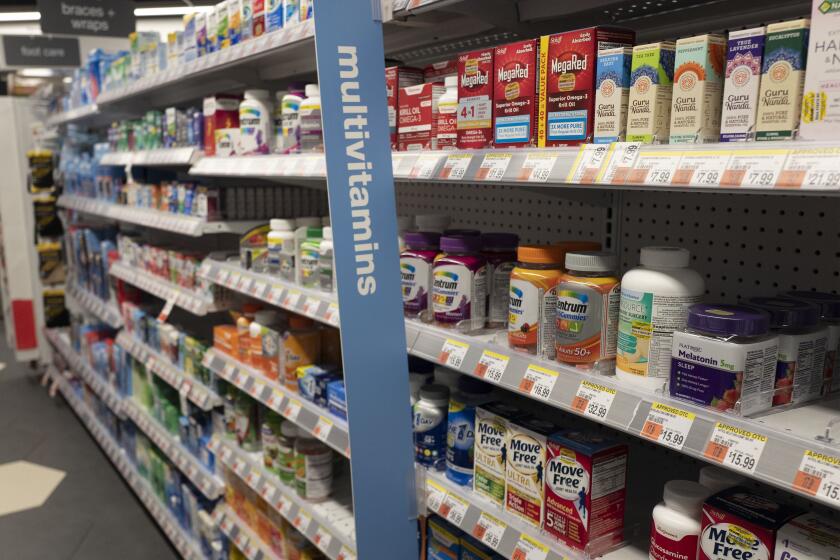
459, 287
416, 261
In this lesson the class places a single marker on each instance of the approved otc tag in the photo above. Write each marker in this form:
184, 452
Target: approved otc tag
593, 400
455, 167
322, 538
491, 366
489, 530
587, 165
537, 167
435, 494
528, 548
754, 168
538, 381
735, 447
819, 475
811, 168
453, 509
453, 352
654, 168
493, 167
323, 428
425, 166
667, 425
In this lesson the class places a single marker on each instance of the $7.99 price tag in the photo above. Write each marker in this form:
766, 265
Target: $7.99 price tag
489, 530
593, 400
538, 381
453, 352
819, 475
733, 446
491, 366
667, 425
654, 168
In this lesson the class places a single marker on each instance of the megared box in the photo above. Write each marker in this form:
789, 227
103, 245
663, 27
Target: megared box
475, 99
418, 108
585, 476
397, 77
515, 94
567, 82
438, 71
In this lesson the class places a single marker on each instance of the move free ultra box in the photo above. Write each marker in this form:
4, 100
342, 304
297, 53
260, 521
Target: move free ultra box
524, 468
821, 100
612, 93
651, 86
698, 73
475, 99
515, 94
491, 443
744, 52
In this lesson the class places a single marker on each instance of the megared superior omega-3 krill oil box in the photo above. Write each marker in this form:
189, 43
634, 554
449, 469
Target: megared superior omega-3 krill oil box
567, 82
514, 96
475, 99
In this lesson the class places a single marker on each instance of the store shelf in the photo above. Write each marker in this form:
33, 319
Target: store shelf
86, 115
315, 304
297, 166
773, 447
328, 524
191, 300
238, 532
184, 544
167, 221
189, 387
154, 158
104, 390
104, 311
305, 414
210, 485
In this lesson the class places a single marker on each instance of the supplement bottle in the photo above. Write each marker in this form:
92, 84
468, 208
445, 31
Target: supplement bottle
281, 248
247, 423
309, 258
447, 119
675, 530
725, 359
459, 285
717, 479
829, 305
586, 323
432, 222
500, 252
326, 268
460, 433
655, 298
286, 467
430, 420
313, 468
270, 436
301, 347
287, 120
255, 134
311, 132
416, 263
802, 340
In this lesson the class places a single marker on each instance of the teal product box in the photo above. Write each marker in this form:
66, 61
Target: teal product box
612, 93
337, 399
444, 540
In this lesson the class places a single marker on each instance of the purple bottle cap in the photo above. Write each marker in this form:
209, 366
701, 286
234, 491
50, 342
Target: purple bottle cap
455, 244
786, 312
500, 241
461, 232
421, 239
728, 320
829, 304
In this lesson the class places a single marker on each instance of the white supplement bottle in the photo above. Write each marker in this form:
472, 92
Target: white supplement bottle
311, 130
717, 479
287, 120
655, 298
326, 268
675, 529
447, 119
281, 248
255, 134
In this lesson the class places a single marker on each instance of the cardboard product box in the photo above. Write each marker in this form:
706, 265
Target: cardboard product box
744, 51
417, 119
821, 100
475, 99
397, 77
515, 94
438, 71
524, 468
698, 76
612, 93
808, 537
651, 88
490, 451
782, 79
567, 82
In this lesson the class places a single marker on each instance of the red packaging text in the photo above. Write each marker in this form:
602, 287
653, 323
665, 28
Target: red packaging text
475, 99
417, 118
514, 95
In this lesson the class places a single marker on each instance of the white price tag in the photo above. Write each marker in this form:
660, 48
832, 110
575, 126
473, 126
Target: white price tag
489, 530
256, 389
323, 428
346, 554
654, 168
491, 366
275, 399
322, 539
667, 425
292, 298
733, 446
302, 521
396, 161
754, 168
310, 305
537, 167
454, 509
332, 314
233, 280
538, 381
257, 288
425, 166
167, 309
819, 475
222, 276
435, 495
276, 294
284, 506
528, 548
701, 168
493, 167
292, 409
455, 166
453, 352
811, 168
588, 164
593, 400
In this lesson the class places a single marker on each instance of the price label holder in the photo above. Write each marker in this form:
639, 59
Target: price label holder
819, 475
345, 554
322, 539
587, 166
493, 167
284, 506
292, 299
538, 381
331, 314
435, 494
489, 530
593, 400
292, 409
424, 167
537, 167
275, 399
302, 521
811, 168
323, 428
654, 168
667, 425
754, 168
491, 366
529, 548
453, 352
311, 305
701, 168
620, 161
454, 509
735, 447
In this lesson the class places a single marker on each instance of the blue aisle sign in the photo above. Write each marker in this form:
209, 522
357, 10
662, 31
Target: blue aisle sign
351, 72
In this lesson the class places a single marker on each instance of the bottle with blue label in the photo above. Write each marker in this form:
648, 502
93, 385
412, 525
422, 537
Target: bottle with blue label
429, 419
460, 436
273, 15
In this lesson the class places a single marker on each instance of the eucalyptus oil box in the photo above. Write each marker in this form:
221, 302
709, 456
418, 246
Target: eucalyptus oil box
651, 86
698, 76
821, 100
782, 77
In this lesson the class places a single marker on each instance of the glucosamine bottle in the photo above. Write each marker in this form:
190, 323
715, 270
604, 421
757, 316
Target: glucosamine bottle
675, 529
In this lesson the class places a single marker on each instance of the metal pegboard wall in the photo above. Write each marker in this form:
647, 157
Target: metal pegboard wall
743, 245
537, 216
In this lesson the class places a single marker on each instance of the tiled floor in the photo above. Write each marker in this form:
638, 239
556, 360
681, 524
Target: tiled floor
91, 514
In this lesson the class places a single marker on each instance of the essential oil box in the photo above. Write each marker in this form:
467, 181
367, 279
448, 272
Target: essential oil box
475, 99
515, 93
698, 75
612, 92
524, 468
744, 52
651, 88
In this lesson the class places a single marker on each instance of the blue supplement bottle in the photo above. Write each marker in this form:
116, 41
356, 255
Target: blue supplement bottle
460, 437
429, 418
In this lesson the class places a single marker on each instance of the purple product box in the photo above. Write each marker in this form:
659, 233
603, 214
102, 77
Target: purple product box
744, 52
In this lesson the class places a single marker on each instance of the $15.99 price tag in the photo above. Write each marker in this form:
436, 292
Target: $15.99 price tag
593, 400
667, 425
491, 366
453, 352
489, 530
538, 381
819, 475
733, 446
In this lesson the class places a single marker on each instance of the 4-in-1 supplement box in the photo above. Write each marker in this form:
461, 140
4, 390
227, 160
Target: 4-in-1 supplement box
514, 97
475, 99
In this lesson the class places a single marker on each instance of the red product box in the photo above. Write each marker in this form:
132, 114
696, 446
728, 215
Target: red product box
397, 77
585, 476
220, 112
567, 82
438, 71
417, 119
515, 94
475, 99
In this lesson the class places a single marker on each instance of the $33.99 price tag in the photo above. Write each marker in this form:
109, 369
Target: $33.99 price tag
489, 530
529, 548
538, 381
491, 366
453, 352
819, 475
667, 425
733, 446
593, 400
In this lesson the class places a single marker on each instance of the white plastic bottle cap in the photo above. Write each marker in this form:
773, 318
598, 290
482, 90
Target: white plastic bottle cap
717, 479
404, 223
260, 94
266, 317
326, 233
308, 221
282, 224
312, 90
590, 261
665, 257
686, 496
432, 222
451, 81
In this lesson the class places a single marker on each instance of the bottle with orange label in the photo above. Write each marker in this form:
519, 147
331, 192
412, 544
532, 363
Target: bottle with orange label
586, 319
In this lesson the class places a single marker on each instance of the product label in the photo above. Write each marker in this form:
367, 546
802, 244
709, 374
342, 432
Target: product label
524, 475
460, 439
819, 475
499, 303
309, 259
253, 128
695, 111
531, 317
416, 274
515, 93
730, 445
430, 433
311, 132
667, 545
490, 449
454, 289
821, 99
313, 478
418, 114
475, 99
730, 541
612, 95
782, 76
799, 369
447, 125
740, 91
585, 326
651, 77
